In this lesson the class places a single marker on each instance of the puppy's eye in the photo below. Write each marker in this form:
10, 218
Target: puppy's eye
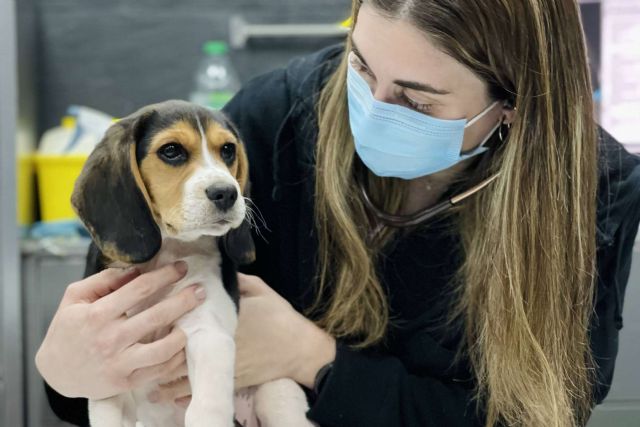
172, 153
228, 152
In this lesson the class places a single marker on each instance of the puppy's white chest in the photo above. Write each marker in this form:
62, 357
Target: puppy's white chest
218, 305
210, 328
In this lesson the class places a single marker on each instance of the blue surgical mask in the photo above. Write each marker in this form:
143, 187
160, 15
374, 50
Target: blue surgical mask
395, 141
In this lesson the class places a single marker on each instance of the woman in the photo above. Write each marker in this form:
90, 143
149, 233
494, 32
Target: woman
503, 309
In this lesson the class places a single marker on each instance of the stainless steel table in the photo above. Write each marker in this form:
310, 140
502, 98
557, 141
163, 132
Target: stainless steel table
48, 266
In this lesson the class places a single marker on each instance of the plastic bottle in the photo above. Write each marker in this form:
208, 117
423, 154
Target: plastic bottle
216, 80
79, 132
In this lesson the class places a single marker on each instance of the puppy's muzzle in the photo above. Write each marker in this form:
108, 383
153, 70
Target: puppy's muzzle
223, 196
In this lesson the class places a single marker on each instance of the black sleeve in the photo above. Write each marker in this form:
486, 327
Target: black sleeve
365, 389
614, 265
71, 410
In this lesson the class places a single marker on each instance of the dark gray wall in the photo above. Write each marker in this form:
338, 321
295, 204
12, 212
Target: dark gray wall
118, 55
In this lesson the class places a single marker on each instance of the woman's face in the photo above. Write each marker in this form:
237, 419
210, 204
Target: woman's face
402, 66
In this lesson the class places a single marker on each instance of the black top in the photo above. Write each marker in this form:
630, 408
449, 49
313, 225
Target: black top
409, 381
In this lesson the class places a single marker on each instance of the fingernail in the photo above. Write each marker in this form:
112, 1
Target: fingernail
183, 402
153, 397
131, 270
200, 293
181, 266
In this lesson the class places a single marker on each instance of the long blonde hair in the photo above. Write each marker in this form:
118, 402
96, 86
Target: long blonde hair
525, 288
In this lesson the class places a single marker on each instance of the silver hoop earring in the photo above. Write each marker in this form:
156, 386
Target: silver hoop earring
500, 129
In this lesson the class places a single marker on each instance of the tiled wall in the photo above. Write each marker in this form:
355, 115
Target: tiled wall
118, 55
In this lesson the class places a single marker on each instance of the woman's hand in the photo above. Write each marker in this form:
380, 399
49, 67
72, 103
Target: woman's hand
92, 349
272, 341
275, 341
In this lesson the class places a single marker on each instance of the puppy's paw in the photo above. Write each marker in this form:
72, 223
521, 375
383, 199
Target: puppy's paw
199, 415
282, 403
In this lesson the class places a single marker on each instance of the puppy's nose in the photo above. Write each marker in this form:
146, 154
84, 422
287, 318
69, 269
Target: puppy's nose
222, 196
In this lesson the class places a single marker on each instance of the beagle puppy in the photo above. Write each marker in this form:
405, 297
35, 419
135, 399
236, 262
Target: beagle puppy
167, 183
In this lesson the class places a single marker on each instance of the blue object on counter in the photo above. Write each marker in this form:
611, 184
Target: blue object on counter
40, 230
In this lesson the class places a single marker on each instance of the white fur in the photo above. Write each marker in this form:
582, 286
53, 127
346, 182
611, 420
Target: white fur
281, 403
206, 155
210, 327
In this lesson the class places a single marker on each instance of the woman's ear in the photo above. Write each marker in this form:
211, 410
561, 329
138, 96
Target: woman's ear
110, 197
508, 113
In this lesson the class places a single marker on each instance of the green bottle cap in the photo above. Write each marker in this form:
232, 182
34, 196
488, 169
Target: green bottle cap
215, 47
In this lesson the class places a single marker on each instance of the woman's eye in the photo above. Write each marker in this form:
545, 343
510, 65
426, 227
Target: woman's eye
172, 153
363, 68
359, 66
228, 152
420, 108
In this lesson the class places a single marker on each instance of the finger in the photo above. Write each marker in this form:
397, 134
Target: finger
163, 313
174, 390
179, 372
246, 373
240, 374
157, 352
98, 285
242, 382
143, 376
249, 380
145, 285
251, 285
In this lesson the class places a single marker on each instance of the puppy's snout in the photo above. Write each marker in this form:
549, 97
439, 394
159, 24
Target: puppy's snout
222, 196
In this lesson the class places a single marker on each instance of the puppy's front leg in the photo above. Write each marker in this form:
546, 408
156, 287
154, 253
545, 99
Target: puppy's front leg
282, 403
110, 412
210, 360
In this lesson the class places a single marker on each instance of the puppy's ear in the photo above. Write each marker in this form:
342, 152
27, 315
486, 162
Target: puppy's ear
242, 172
238, 242
110, 197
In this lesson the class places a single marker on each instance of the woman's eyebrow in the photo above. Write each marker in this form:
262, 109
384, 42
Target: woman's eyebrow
422, 87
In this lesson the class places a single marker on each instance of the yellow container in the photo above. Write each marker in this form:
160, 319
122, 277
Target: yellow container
25, 188
56, 177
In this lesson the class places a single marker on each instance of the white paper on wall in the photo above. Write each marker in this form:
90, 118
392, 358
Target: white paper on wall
620, 66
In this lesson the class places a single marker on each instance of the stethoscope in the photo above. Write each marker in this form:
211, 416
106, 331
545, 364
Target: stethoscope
382, 218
